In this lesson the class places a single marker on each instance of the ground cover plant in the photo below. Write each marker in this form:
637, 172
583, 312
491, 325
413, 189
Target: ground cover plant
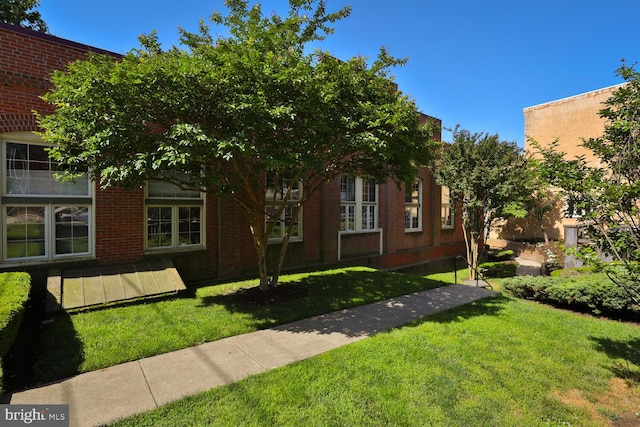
97, 339
496, 362
593, 292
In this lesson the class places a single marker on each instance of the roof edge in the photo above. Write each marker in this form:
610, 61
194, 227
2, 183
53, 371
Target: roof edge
568, 98
54, 39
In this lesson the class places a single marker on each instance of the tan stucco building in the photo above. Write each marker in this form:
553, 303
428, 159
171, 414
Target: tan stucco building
569, 121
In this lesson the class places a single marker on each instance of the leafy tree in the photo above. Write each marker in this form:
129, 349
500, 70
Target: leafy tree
608, 191
20, 12
548, 176
490, 179
247, 116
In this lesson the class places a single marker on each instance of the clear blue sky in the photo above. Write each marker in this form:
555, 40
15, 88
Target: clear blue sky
471, 62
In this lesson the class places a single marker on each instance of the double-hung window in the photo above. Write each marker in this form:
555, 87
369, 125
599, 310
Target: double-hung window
447, 208
283, 213
174, 217
358, 204
43, 218
413, 206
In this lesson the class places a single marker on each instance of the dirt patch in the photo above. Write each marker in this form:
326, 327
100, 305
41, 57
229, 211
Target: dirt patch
619, 406
277, 295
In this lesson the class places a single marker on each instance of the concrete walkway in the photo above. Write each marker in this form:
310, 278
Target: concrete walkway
527, 267
99, 397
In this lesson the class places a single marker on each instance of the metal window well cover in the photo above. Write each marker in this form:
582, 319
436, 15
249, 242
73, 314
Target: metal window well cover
83, 288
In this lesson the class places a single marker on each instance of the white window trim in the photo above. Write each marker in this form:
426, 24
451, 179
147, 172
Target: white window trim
50, 237
447, 206
290, 204
28, 140
175, 203
299, 237
358, 205
412, 205
48, 201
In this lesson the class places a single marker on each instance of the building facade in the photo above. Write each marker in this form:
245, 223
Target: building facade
568, 121
48, 224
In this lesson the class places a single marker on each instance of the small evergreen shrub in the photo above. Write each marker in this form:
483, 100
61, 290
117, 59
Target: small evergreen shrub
529, 287
574, 271
586, 292
14, 293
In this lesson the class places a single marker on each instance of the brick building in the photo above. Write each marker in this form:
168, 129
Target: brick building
48, 224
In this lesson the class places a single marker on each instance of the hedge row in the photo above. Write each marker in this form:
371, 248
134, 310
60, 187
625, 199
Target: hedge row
14, 293
588, 292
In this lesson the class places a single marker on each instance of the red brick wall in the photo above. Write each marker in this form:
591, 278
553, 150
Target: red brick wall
119, 225
27, 59
398, 238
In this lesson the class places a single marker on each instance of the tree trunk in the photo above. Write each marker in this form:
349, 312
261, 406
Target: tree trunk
473, 221
471, 245
283, 247
261, 246
473, 258
544, 231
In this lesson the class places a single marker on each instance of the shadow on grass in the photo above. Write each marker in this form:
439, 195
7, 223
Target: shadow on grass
377, 301
332, 290
490, 306
627, 352
64, 351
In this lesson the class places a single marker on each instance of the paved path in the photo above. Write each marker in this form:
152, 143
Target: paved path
528, 267
103, 396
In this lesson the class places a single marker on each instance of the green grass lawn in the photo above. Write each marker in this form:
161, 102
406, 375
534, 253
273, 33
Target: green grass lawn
97, 339
496, 362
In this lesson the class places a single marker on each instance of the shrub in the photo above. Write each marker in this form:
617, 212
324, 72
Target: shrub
573, 271
529, 287
497, 256
14, 293
498, 269
587, 292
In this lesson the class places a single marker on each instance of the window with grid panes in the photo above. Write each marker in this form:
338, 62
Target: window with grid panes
413, 206
43, 217
284, 212
174, 216
447, 208
358, 204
